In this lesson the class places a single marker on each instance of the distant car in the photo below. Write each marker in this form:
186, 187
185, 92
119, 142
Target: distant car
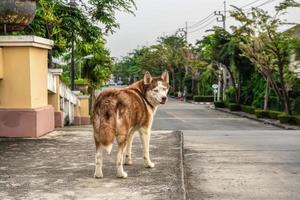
112, 83
120, 83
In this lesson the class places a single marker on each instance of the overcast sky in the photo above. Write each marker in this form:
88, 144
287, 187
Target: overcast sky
154, 18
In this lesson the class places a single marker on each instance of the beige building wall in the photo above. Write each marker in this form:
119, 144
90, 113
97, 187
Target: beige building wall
38, 72
54, 98
24, 84
84, 107
15, 86
1, 63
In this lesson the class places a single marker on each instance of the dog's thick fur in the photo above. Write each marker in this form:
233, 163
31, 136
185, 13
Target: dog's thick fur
118, 113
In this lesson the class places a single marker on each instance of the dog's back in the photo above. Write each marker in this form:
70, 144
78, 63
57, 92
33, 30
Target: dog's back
118, 109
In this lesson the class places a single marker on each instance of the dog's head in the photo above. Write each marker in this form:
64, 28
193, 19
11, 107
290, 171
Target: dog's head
157, 88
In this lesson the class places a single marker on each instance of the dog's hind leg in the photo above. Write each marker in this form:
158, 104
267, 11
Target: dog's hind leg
121, 139
98, 160
128, 159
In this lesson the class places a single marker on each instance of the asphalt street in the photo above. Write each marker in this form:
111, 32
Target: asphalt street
228, 157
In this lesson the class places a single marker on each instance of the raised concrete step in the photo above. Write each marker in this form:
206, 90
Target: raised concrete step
61, 166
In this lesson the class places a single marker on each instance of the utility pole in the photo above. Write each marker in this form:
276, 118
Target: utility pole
222, 18
183, 32
222, 15
186, 31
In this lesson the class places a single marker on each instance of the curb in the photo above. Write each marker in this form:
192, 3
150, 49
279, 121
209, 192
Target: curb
182, 164
265, 121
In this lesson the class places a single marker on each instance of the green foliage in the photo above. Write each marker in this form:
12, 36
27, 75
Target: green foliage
248, 109
206, 80
219, 104
234, 107
258, 90
81, 81
261, 113
295, 105
203, 98
230, 94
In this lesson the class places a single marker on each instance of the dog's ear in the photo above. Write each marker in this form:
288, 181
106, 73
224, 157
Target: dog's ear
165, 76
147, 78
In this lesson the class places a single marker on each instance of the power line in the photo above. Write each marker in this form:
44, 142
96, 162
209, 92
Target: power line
258, 6
249, 4
265, 3
202, 27
202, 21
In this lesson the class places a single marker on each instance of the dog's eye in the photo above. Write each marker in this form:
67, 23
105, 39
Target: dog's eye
156, 90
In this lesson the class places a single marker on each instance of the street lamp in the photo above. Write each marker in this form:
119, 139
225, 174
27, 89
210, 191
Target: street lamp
72, 3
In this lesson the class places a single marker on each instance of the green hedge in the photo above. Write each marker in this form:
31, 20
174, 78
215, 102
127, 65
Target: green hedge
247, 109
273, 114
261, 113
234, 107
286, 119
219, 104
289, 119
296, 120
203, 98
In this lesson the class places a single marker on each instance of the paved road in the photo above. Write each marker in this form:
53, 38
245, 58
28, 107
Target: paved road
227, 157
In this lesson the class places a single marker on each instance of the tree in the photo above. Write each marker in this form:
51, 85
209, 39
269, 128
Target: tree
267, 48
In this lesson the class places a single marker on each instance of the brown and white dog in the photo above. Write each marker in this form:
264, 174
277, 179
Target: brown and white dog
118, 113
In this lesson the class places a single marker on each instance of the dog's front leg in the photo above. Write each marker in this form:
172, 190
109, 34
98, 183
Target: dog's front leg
145, 138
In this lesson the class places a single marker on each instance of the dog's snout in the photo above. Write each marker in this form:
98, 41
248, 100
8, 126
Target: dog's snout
163, 100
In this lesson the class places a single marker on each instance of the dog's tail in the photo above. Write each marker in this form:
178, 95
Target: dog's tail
104, 122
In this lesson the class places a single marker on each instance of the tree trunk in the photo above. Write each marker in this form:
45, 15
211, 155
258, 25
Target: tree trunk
232, 79
266, 98
284, 92
173, 81
48, 36
193, 85
92, 99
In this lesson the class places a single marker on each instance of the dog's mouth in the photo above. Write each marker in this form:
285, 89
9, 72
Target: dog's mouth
163, 101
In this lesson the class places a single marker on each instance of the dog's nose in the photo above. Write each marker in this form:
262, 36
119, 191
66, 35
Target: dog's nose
164, 99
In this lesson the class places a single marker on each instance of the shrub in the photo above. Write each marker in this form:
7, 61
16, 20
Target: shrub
81, 81
273, 114
226, 103
219, 104
189, 97
203, 98
261, 113
234, 107
230, 94
286, 119
247, 109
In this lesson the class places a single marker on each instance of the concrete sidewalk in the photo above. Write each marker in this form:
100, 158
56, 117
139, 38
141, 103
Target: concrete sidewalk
61, 166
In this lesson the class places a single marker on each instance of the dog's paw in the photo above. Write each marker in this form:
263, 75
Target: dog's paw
122, 175
98, 175
149, 164
128, 162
